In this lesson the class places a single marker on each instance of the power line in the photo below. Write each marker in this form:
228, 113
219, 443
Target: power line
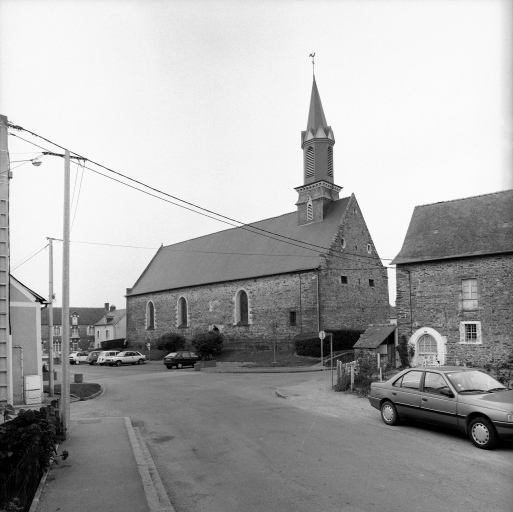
28, 258
248, 227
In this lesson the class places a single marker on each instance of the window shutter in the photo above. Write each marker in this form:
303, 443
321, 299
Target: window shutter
310, 162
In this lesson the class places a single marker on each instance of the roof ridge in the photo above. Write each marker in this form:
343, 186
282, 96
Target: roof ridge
464, 198
249, 224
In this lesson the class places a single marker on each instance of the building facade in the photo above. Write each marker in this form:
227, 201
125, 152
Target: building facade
313, 269
455, 281
111, 327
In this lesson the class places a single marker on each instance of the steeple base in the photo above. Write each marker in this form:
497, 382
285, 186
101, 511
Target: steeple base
314, 200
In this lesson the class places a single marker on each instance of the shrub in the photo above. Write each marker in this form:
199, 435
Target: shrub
27, 445
170, 342
310, 344
117, 344
208, 343
365, 370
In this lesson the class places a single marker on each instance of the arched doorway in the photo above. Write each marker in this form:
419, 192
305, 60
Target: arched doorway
430, 347
427, 351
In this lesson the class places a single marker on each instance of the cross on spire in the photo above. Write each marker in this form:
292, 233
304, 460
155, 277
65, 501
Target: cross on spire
313, 62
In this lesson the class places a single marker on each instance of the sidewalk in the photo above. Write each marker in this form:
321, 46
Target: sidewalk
108, 469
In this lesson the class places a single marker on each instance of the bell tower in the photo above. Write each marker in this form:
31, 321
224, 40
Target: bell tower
317, 143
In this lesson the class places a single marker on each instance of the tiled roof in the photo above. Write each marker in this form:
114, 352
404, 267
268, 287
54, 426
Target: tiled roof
471, 226
113, 317
374, 336
87, 316
241, 253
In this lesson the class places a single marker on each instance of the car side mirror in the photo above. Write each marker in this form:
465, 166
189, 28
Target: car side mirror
447, 392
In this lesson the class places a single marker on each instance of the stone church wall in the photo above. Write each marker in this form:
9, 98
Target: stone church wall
436, 302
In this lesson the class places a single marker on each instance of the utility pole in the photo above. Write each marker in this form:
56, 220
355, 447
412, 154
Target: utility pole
6, 382
65, 387
50, 319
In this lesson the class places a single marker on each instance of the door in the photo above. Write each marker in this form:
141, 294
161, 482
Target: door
406, 394
427, 350
438, 408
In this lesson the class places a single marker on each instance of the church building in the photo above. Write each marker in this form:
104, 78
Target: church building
313, 269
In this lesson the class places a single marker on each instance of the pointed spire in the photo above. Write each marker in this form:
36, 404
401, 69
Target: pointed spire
316, 115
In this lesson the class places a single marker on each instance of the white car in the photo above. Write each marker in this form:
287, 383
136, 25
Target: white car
77, 357
104, 355
126, 357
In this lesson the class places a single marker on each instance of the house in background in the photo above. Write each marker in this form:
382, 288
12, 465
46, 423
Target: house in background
82, 322
111, 327
313, 269
455, 281
25, 319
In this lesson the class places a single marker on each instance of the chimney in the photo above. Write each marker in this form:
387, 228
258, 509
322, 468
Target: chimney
113, 308
106, 306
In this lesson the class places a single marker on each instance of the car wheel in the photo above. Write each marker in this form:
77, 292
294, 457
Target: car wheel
179, 366
140, 361
389, 413
118, 363
482, 433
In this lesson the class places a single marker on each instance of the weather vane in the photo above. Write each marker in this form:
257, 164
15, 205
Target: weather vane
313, 62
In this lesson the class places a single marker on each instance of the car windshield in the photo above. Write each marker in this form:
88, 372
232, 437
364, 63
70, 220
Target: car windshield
474, 380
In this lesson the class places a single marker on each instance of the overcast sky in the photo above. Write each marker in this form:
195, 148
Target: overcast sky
206, 100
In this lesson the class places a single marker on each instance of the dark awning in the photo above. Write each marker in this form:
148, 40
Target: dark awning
374, 336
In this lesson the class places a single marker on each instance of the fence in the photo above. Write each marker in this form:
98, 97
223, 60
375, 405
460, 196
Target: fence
345, 375
18, 489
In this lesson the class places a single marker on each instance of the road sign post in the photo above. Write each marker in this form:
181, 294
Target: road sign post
322, 335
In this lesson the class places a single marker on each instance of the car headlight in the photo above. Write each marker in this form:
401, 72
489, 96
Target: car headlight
510, 417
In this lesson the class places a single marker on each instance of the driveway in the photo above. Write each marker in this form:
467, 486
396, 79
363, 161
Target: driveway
229, 442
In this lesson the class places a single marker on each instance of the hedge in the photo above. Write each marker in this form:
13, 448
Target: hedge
310, 344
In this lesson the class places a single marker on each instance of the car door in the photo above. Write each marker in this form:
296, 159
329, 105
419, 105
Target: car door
436, 407
406, 394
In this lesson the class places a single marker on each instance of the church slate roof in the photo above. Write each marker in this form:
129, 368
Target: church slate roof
472, 226
241, 253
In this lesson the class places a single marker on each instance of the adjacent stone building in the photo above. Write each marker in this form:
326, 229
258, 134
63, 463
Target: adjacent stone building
313, 269
455, 281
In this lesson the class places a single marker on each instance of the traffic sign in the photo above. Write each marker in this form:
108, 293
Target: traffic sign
322, 335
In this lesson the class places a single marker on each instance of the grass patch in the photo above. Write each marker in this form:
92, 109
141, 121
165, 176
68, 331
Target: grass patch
264, 358
84, 390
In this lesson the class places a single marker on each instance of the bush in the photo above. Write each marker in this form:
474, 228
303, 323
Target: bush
118, 344
208, 343
170, 342
310, 344
27, 445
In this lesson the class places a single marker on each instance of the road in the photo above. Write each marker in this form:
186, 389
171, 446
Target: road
226, 442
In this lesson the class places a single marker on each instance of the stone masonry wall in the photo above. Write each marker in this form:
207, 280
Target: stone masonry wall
270, 301
436, 302
354, 304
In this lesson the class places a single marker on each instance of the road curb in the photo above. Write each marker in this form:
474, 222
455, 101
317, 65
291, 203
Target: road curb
156, 495
94, 395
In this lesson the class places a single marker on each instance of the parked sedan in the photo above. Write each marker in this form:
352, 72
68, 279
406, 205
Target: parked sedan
461, 398
77, 357
180, 359
105, 355
126, 357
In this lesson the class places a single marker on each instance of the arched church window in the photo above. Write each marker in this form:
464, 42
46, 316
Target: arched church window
309, 210
242, 307
150, 316
310, 162
182, 312
330, 161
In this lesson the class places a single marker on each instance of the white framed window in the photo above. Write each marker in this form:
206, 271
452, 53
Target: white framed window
343, 243
369, 248
469, 294
106, 334
470, 333
56, 330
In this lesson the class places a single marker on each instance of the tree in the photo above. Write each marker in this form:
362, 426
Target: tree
171, 342
208, 343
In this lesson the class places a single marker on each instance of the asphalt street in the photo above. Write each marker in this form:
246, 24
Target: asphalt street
228, 442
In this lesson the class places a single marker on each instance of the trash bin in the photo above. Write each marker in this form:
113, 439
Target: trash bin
79, 377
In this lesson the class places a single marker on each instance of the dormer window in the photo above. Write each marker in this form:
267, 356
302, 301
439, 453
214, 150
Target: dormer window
309, 211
